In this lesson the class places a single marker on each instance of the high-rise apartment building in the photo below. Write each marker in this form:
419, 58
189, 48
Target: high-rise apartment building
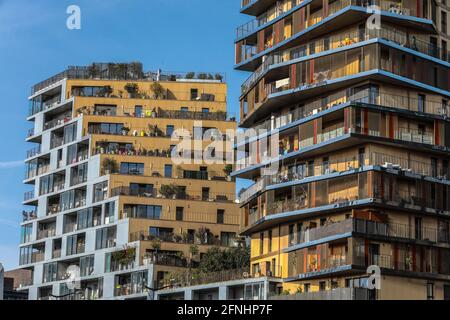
110, 205
354, 102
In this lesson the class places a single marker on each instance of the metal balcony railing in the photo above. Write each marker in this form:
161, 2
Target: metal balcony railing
28, 196
333, 294
173, 194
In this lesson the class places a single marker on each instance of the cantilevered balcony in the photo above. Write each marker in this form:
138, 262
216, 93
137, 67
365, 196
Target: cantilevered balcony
333, 294
364, 97
206, 239
260, 37
273, 13
346, 165
320, 260
172, 193
158, 113
322, 75
131, 283
333, 230
339, 41
338, 193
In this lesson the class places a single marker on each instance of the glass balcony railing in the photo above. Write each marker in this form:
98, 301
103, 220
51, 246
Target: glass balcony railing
164, 114
33, 152
393, 7
28, 196
345, 190
125, 72
29, 215
365, 97
172, 194
245, 3
367, 227
344, 39
274, 13
207, 240
333, 294
48, 233
385, 161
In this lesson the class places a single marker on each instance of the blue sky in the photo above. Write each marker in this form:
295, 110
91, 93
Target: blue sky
174, 35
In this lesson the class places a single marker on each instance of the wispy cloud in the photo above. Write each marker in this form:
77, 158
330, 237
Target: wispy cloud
11, 164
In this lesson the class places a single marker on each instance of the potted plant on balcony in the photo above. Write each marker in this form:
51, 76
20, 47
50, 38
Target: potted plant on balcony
190, 75
127, 257
186, 237
125, 130
202, 235
132, 89
156, 245
193, 252
408, 261
177, 238
106, 91
110, 166
218, 77
202, 76
158, 90
168, 191
228, 170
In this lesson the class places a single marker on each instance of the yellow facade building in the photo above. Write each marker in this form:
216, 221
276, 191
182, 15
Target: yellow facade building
109, 196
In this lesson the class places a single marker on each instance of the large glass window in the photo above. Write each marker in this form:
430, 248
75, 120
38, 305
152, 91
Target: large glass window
110, 208
227, 239
105, 238
106, 128
88, 218
86, 266
50, 273
78, 174
169, 130
70, 133
132, 168
143, 211
25, 233
139, 189
100, 191
72, 154
168, 171
75, 244
26, 255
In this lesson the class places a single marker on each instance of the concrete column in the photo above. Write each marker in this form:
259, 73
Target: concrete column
188, 294
223, 293
2, 275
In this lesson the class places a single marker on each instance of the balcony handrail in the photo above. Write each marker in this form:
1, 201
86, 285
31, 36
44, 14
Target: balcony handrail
345, 39
29, 195
190, 278
162, 114
228, 219
365, 97
252, 25
108, 71
29, 215
145, 235
176, 195
385, 161
333, 294
33, 152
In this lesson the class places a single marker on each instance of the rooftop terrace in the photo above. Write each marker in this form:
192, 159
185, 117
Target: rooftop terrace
126, 71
